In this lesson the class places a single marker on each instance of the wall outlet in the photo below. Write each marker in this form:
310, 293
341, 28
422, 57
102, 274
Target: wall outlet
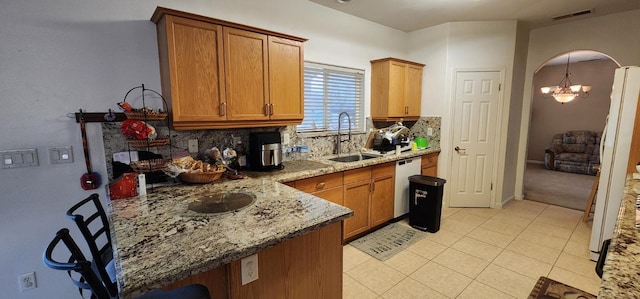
429, 131
193, 145
249, 269
236, 140
286, 138
27, 281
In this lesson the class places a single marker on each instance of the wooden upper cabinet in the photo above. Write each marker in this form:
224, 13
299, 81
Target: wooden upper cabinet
413, 90
286, 73
246, 59
218, 74
192, 69
396, 89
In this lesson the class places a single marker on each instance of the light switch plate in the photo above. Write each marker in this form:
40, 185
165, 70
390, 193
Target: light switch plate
61, 154
19, 158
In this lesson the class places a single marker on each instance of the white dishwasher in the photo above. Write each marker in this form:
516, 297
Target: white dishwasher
404, 169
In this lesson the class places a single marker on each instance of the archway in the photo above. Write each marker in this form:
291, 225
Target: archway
571, 187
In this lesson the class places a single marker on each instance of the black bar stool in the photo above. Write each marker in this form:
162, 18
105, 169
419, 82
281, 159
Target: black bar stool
84, 277
93, 223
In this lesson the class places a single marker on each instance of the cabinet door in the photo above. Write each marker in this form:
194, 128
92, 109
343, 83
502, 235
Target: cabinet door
192, 50
246, 74
430, 171
397, 85
383, 193
413, 90
356, 198
429, 165
286, 72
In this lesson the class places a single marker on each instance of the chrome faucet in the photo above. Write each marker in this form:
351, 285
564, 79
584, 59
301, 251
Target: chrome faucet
339, 137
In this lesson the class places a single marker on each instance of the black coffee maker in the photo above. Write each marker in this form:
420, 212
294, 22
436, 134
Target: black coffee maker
265, 151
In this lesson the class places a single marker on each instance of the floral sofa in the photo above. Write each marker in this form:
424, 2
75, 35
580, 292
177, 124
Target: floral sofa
574, 151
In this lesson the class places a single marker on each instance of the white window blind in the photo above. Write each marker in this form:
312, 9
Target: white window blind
328, 91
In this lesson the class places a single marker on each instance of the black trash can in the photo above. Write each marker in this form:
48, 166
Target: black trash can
425, 202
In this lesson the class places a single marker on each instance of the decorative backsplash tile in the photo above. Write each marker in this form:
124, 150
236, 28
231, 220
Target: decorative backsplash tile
318, 145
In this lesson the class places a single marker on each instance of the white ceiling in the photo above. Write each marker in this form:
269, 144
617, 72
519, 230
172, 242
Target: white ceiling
410, 15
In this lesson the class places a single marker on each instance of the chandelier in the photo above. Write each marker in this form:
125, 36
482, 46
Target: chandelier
566, 91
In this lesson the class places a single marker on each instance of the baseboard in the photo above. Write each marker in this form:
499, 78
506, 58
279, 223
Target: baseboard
519, 197
507, 201
535, 162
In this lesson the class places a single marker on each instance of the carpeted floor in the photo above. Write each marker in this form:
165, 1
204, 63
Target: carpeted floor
569, 190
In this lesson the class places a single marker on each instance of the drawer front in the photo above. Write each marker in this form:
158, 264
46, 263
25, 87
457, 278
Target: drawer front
429, 160
320, 183
384, 170
355, 175
333, 195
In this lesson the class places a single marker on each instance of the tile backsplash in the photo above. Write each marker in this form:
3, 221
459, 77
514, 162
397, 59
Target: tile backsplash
319, 145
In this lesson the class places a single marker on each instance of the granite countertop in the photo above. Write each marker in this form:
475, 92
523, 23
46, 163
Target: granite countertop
157, 240
302, 169
621, 271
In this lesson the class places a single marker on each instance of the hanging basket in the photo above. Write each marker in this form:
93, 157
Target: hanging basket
149, 165
143, 113
144, 143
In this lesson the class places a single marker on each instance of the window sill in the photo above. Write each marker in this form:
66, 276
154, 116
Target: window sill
327, 133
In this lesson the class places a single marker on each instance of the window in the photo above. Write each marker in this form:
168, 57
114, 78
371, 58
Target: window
328, 91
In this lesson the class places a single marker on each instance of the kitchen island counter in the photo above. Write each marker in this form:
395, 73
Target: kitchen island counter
157, 240
621, 271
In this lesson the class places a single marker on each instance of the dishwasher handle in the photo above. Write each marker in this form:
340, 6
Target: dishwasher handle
406, 161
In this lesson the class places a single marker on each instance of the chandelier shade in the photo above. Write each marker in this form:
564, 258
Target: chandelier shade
566, 91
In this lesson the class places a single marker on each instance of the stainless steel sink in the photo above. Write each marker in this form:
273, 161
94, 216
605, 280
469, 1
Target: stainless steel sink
222, 202
352, 158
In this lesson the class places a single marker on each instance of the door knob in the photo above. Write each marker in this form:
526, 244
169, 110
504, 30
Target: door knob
458, 149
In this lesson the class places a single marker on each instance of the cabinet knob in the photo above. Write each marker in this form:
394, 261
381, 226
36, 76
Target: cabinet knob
270, 109
320, 185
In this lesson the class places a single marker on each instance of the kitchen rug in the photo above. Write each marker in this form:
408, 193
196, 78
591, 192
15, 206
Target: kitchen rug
549, 288
388, 241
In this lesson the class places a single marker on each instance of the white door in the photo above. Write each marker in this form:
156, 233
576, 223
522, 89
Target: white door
477, 95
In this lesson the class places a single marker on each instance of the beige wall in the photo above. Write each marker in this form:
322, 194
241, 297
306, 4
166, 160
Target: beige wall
549, 117
464, 46
615, 35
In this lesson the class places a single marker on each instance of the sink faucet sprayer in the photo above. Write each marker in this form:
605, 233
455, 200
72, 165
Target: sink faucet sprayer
339, 137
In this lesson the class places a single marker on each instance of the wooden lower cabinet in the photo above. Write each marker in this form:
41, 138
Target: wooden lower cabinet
309, 266
357, 189
382, 195
368, 191
429, 165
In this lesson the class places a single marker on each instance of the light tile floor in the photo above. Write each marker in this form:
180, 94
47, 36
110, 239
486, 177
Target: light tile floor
481, 253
